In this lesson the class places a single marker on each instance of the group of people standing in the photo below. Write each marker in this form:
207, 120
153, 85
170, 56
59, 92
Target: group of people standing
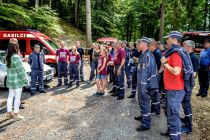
151, 71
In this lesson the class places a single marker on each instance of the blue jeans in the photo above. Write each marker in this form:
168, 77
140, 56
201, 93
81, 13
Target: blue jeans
36, 75
81, 70
93, 69
173, 102
120, 86
62, 71
128, 75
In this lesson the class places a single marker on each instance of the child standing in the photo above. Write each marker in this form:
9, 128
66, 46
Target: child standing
101, 78
74, 59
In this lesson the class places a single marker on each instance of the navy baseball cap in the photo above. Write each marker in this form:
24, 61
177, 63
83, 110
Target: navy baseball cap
145, 39
174, 34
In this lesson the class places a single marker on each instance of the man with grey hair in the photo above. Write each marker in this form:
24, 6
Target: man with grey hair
189, 45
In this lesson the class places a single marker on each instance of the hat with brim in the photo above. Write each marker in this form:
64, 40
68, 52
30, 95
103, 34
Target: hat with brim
145, 39
36, 46
174, 34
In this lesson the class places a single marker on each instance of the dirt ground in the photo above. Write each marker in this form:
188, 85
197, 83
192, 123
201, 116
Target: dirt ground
75, 114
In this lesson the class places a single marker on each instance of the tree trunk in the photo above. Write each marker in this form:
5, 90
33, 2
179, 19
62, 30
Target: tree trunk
162, 20
41, 2
88, 24
0, 1
36, 5
50, 3
76, 12
206, 14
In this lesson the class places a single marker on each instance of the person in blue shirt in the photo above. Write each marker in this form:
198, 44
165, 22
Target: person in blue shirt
36, 61
82, 53
203, 71
189, 45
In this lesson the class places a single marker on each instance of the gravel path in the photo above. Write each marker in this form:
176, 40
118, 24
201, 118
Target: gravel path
76, 114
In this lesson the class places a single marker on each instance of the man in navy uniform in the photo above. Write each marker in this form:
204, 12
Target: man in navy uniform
189, 45
147, 83
36, 60
204, 69
135, 54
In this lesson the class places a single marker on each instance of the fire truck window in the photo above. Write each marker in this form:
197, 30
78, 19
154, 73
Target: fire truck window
22, 45
42, 47
4, 44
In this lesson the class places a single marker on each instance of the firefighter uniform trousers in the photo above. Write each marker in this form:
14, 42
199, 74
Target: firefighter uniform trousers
173, 101
62, 71
134, 79
127, 68
74, 73
147, 82
119, 85
186, 104
37, 75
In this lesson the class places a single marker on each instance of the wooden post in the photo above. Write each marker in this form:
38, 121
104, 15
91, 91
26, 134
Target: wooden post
88, 24
162, 20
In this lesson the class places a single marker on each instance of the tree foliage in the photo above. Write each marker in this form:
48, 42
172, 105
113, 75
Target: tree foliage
124, 19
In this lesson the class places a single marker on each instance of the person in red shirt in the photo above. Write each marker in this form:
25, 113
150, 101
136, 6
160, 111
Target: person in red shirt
74, 59
101, 78
174, 86
62, 55
119, 63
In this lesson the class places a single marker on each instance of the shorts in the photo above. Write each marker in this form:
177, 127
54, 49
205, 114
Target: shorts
101, 77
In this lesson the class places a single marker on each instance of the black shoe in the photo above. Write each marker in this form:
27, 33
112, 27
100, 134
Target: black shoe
129, 87
111, 91
22, 102
82, 80
120, 97
131, 96
165, 134
114, 94
139, 118
66, 84
100, 94
70, 85
43, 91
59, 85
204, 95
199, 94
32, 94
142, 128
22, 107
77, 86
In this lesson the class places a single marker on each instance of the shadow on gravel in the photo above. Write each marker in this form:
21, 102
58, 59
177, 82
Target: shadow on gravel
3, 127
86, 85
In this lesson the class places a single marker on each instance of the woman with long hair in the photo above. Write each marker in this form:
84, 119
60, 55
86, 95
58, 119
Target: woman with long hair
16, 80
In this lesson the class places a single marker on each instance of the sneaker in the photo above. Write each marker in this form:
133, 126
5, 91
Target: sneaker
9, 115
42, 91
82, 80
186, 130
18, 117
100, 94
21, 107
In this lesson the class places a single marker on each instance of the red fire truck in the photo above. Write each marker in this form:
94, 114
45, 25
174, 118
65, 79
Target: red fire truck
26, 41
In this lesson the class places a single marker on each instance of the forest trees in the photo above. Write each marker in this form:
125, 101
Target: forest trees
127, 19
